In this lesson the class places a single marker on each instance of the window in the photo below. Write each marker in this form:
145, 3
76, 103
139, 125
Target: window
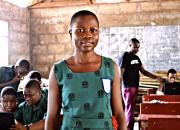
3, 43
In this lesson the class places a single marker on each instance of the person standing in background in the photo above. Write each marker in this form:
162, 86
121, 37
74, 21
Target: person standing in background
130, 65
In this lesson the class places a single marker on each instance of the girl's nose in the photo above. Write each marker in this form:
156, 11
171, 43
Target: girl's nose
87, 34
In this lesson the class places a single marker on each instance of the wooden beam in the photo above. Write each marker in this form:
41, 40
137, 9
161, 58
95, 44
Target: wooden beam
72, 1
35, 2
61, 4
107, 1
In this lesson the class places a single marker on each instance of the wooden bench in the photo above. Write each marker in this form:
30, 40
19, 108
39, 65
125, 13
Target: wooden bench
166, 98
160, 111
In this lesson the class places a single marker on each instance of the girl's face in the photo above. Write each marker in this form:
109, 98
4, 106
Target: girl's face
9, 103
85, 33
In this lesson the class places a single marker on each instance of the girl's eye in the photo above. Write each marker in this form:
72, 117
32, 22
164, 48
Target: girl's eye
94, 30
80, 30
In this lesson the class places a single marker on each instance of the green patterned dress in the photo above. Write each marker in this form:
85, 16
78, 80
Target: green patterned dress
86, 105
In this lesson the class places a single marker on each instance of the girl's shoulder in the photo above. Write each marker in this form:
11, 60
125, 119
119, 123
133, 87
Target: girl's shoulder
107, 59
62, 61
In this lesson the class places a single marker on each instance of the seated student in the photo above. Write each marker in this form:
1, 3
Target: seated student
169, 86
30, 114
36, 75
8, 99
11, 75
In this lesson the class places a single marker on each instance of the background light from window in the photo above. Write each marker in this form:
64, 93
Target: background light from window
3, 43
3, 51
3, 28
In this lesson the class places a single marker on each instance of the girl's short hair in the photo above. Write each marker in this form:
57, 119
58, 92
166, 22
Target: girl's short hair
82, 13
8, 90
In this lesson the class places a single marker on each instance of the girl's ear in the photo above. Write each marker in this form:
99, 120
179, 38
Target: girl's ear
70, 32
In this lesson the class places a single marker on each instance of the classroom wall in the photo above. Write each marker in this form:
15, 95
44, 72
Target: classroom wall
41, 34
18, 24
159, 45
50, 41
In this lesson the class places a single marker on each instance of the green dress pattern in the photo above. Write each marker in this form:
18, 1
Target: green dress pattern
85, 104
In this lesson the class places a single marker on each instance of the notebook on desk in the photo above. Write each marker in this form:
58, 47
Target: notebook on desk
6, 120
172, 88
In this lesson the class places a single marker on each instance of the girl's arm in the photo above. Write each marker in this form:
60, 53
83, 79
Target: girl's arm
54, 104
117, 107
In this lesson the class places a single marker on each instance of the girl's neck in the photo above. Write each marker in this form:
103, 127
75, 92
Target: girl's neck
81, 58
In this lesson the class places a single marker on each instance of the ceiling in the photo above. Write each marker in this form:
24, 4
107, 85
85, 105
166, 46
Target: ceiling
31, 3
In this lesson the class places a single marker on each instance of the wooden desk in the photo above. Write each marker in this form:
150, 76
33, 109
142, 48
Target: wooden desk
164, 123
160, 111
165, 108
146, 117
166, 98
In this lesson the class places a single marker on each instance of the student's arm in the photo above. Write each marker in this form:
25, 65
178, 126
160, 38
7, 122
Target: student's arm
148, 74
35, 126
54, 104
18, 126
16, 78
160, 88
117, 107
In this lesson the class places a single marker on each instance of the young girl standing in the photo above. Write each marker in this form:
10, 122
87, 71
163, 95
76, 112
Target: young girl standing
86, 84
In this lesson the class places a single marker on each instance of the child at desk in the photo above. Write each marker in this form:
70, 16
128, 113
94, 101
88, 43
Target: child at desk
169, 86
8, 99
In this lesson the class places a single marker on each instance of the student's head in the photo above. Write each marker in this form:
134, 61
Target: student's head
8, 99
34, 75
32, 92
84, 30
171, 75
134, 45
22, 68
